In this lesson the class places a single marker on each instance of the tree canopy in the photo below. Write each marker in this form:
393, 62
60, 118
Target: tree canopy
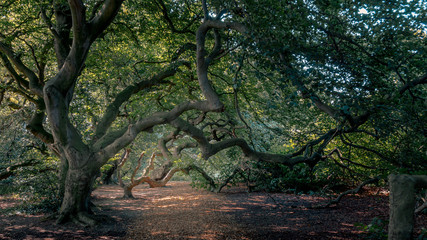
261, 86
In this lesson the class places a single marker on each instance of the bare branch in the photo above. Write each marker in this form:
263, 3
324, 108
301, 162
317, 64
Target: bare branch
209, 149
122, 161
205, 10
339, 154
104, 17
364, 148
137, 167
34, 85
21, 82
11, 170
113, 109
203, 63
351, 191
164, 10
422, 206
104, 152
35, 125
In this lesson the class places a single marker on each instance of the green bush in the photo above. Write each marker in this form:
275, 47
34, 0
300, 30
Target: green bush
375, 229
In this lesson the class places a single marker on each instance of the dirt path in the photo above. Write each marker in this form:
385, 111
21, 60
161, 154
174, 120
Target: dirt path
180, 212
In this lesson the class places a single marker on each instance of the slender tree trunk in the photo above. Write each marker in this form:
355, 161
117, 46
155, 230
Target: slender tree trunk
108, 175
127, 191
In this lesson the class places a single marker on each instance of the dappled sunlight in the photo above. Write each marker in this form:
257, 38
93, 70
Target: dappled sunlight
231, 209
180, 212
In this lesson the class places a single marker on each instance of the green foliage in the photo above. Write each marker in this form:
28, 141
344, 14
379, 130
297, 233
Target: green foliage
36, 184
375, 229
352, 55
423, 235
279, 178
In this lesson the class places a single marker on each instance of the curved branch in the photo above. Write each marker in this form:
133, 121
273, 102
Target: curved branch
351, 191
203, 63
339, 154
33, 84
363, 148
112, 110
137, 167
209, 149
104, 17
164, 10
61, 32
35, 126
307, 94
10, 171
78, 15
104, 152
22, 83
122, 161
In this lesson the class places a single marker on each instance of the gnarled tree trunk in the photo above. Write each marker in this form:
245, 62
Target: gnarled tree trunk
76, 201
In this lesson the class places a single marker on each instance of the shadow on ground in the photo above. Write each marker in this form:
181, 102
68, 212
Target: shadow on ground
180, 212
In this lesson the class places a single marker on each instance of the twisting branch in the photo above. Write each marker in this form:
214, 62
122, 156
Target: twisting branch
104, 17
363, 148
209, 149
351, 191
49, 24
11, 170
34, 84
422, 206
165, 13
203, 62
112, 110
137, 167
122, 161
339, 154
23, 84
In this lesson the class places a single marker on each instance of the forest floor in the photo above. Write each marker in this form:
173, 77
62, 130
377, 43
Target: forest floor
181, 212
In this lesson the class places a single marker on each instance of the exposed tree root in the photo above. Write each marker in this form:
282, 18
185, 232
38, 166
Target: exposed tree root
422, 206
80, 218
128, 196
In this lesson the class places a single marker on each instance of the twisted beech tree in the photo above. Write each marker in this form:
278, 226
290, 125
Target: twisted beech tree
358, 69
73, 35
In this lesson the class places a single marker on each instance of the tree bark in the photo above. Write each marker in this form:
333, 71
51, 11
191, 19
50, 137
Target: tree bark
127, 191
402, 204
76, 201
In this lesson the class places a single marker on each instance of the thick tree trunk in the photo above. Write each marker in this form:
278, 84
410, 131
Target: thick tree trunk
402, 204
76, 201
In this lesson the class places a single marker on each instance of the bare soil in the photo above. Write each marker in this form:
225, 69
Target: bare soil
180, 212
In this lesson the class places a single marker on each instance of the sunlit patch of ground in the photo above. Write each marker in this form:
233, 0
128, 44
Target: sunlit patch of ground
180, 212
